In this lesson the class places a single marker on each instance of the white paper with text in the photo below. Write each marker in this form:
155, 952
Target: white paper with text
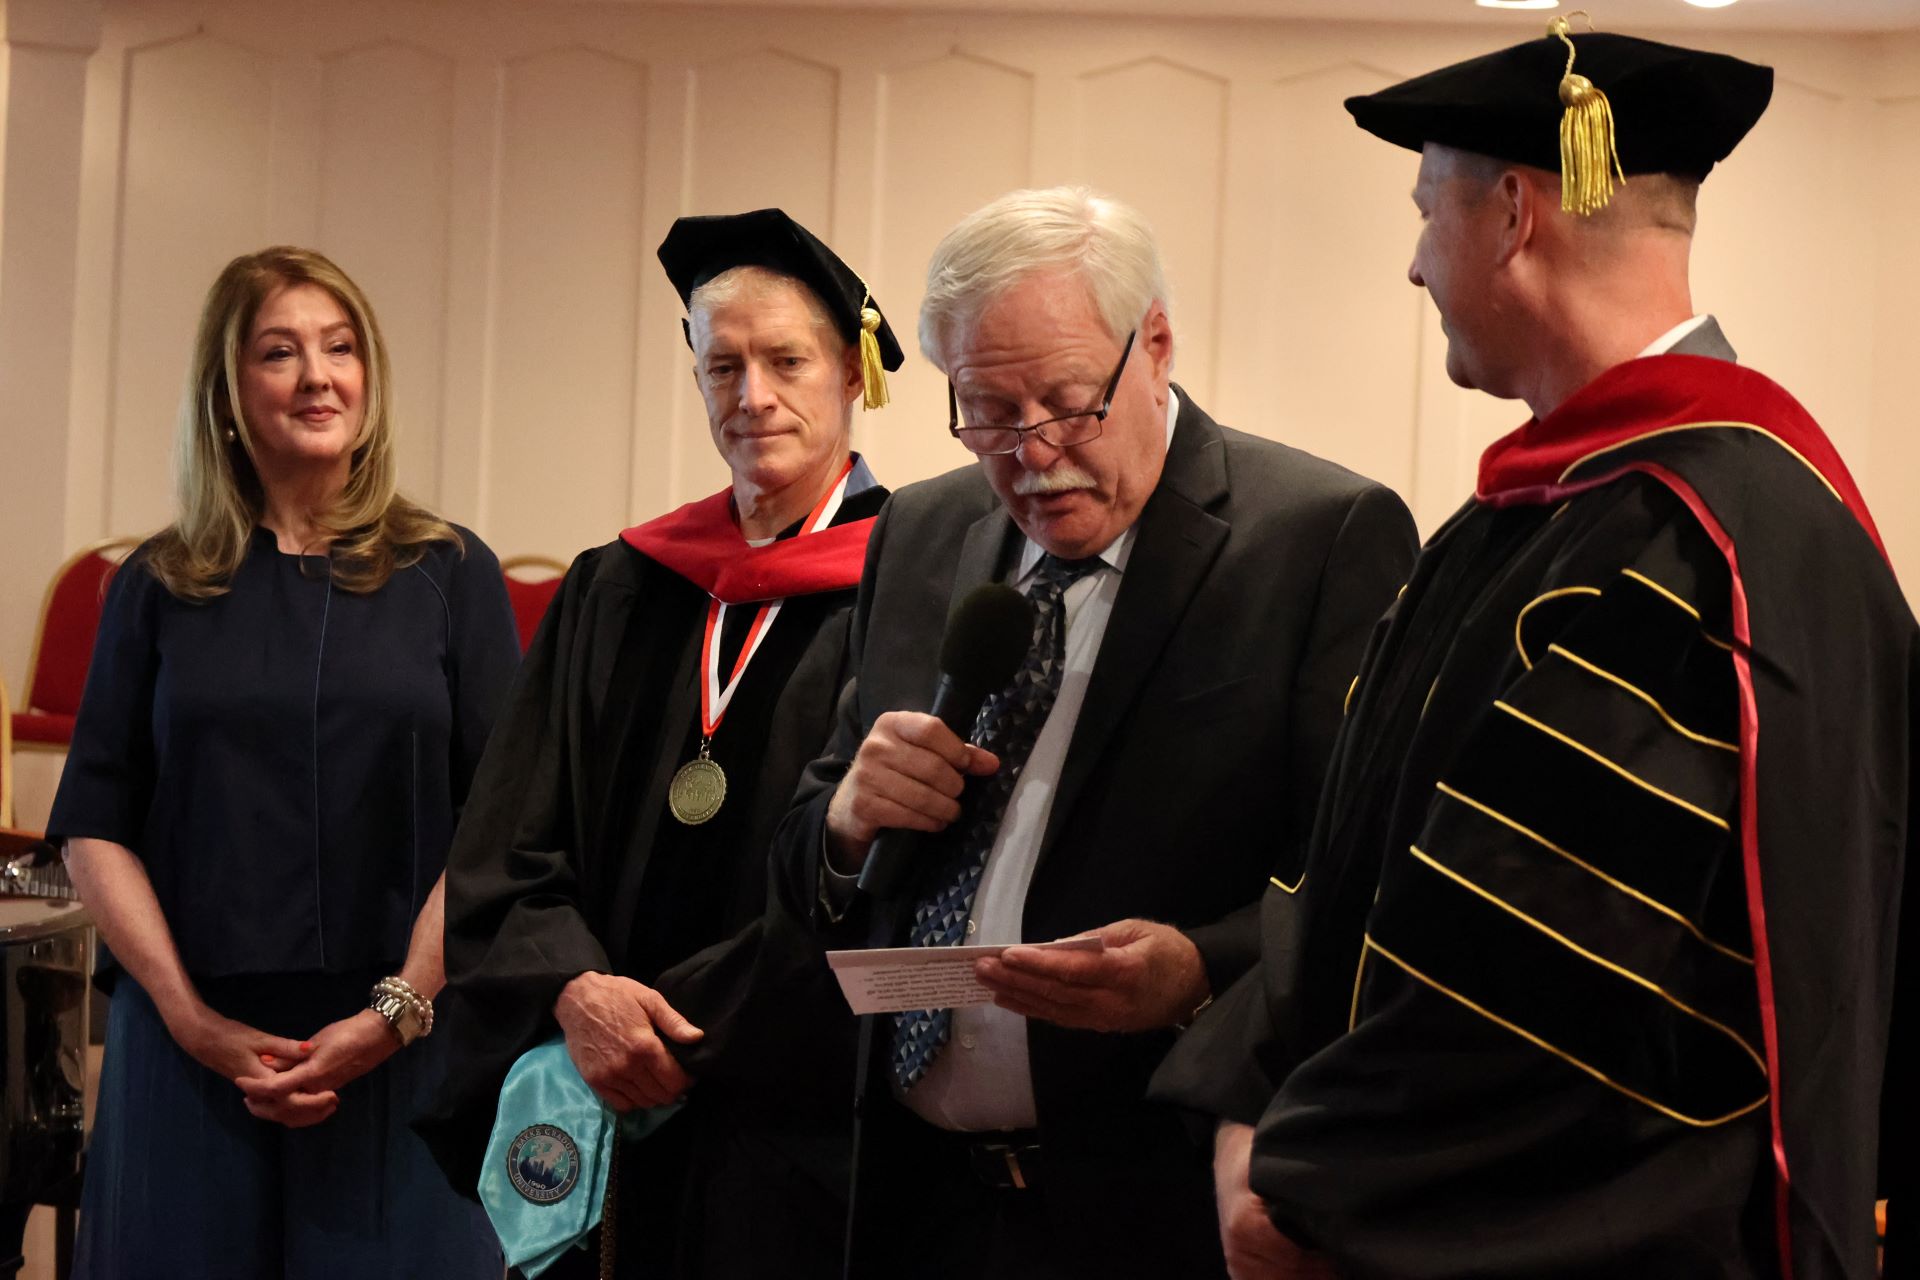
894, 979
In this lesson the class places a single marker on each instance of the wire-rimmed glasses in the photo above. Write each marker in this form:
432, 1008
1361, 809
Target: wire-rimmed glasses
1067, 429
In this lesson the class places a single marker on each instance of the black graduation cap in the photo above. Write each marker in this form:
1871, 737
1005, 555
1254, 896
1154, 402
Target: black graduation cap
700, 248
1672, 110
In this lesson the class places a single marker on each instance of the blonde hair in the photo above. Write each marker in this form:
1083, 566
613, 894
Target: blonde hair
1107, 245
750, 283
373, 531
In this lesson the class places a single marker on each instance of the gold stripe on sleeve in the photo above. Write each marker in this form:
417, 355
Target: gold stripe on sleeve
1563, 1055
1645, 697
1665, 910
1360, 972
1595, 756
1706, 635
1594, 957
1520, 620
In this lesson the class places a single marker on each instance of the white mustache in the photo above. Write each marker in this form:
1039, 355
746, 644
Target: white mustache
1062, 477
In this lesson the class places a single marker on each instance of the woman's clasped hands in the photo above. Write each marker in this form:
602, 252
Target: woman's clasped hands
291, 1082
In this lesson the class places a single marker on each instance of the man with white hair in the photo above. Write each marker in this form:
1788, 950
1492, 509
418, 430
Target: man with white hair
1201, 598
608, 884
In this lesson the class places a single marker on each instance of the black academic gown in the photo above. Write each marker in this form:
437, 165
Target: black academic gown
568, 861
1509, 1022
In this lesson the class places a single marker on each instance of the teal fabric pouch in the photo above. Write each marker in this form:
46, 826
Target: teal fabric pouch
544, 1183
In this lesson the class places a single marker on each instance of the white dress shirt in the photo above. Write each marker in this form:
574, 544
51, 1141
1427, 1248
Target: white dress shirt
981, 1080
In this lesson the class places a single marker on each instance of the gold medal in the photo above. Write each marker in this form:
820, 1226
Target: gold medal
699, 787
697, 791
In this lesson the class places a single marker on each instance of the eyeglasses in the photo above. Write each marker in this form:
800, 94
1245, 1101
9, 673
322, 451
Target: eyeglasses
1067, 429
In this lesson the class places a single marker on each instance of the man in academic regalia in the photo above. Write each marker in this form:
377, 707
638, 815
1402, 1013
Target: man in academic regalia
1592, 968
609, 880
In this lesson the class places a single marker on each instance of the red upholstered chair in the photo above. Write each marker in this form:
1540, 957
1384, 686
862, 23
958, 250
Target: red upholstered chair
63, 646
531, 584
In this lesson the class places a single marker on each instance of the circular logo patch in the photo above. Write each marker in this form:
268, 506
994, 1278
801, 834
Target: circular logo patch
542, 1163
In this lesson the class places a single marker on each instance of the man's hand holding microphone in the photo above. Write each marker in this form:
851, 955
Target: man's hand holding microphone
907, 781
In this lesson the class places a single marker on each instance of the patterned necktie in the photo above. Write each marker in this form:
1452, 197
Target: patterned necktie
1008, 725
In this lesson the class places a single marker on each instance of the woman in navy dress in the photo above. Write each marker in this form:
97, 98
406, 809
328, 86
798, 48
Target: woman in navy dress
290, 689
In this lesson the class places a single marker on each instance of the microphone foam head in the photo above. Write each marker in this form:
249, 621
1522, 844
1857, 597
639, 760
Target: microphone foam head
987, 639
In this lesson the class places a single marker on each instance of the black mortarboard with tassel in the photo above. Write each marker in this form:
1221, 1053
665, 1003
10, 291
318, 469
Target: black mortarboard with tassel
1631, 106
699, 248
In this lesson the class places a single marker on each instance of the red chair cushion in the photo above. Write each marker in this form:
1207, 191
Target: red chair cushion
29, 726
530, 601
66, 638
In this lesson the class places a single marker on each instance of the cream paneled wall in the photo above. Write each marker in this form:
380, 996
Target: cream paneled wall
497, 172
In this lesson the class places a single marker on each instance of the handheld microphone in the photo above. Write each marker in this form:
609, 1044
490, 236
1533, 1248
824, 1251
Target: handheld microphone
987, 639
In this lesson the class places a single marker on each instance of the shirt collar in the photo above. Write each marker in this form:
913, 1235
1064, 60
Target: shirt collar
1117, 552
1672, 337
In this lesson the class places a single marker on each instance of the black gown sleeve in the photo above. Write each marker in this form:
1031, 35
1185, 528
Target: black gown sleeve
516, 933
107, 786
1370, 558
1899, 1171
1556, 976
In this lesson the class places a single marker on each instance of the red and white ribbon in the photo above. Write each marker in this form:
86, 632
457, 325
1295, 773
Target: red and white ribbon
714, 696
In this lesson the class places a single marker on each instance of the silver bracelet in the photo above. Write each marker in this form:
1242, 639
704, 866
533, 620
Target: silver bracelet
408, 1013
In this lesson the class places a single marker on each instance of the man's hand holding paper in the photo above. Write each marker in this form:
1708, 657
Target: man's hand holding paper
1144, 975
899, 979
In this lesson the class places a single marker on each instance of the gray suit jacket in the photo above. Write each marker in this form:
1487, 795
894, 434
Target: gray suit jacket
1192, 775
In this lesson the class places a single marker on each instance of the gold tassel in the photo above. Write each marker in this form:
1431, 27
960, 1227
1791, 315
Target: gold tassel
872, 372
1589, 160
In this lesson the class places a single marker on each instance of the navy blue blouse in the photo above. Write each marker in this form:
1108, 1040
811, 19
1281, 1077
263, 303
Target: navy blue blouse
288, 760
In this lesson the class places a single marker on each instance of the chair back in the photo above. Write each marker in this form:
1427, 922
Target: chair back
531, 584
63, 644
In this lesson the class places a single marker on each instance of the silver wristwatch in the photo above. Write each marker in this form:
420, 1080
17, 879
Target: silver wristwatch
407, 1012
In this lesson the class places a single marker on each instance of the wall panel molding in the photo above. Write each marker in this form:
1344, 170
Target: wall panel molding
383, 212
1158, 127
497, 174
928, 175
560, 369
195, 176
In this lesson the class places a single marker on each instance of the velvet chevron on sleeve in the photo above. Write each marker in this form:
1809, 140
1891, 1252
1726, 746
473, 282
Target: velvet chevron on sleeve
1580, 837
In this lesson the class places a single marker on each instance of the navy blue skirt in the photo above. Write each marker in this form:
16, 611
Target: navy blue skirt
181, 1181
